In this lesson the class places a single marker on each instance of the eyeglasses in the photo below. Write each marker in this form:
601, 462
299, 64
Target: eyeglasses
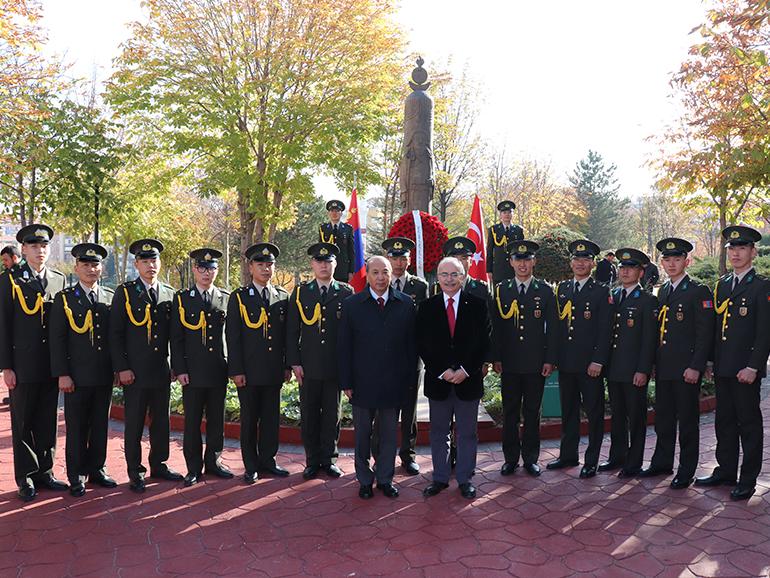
452, 275
206, 269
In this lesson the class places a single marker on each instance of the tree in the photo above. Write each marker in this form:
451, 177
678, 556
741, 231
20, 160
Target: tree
597, 189
262, 93
295, 240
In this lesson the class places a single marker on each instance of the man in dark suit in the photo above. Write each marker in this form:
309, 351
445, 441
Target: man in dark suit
741, 345
463, 249
524, 343
340, 234
198, 361
26, 295
398, 251
630, 365
584, 343
140, 321
315, 309
80, 359
377, 355
256, 348
453, 332
605, 271
500, 239
685, 333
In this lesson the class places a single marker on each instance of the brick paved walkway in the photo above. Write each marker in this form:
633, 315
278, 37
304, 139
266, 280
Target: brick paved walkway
555, 525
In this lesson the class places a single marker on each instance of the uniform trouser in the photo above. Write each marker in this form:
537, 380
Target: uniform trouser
574, 388
738, 420
466, 434
33, 429
138, 402
87, 415
628, 404
198, 400
522, 398
260, 421
408, 425
387, 427
319, 404
676, 403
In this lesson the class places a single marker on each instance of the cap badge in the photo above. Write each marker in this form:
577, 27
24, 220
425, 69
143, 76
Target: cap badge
459, 245
265, 251
581, 247
522, 249
734, 235
398, 245
670, 245
626, 255
207, 256
91, 253
146, 247
323, 251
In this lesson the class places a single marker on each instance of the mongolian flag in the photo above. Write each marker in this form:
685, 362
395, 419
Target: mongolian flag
478, 268
359, 270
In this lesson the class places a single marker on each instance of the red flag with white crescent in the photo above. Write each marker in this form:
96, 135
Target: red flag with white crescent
478, 268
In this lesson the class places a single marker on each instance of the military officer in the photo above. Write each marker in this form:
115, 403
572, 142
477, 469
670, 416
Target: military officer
463, 249
80, 359
499, 237
584, 344
140, 320
26, 295
685, 333
741, 345
314, 312
256, 346
525, 338
341, 234
398, 251
630, 364
198, 361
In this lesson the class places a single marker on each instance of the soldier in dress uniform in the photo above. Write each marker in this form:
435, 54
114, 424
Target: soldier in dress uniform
199, 363
140, 321
341, 234
314, 312
80, 359
500, 239
398, 251
26, 295
584, 344
525, 338
685, 333
630, 364
463, 249
741, 345
256, 349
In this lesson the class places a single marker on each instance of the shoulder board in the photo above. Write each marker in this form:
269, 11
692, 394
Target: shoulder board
344, 285
726, 276
281, 290
70, 289
108, 290
55, 272
167, 286
224, 291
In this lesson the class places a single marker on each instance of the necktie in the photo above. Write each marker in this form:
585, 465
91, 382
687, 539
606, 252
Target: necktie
153, 296
42, 280
670, 291
92, 297
450, 316
577, 287
522, 289
265, 298
622, 296
323, 294
735, 283
335, 231
381, 303
206, 299
398, 284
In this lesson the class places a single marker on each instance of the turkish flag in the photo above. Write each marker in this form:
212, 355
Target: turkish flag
478, 268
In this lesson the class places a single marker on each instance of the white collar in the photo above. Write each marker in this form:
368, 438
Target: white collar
375, 296
95, 288
147, 286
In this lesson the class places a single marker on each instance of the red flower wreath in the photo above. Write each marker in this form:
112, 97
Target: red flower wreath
434, 235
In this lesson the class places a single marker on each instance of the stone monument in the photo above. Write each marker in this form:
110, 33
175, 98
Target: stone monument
416, 170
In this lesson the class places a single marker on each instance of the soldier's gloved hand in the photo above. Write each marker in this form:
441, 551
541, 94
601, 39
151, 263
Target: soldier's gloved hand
640, 379
747, 375
9, 377
547, 369
183, 379
691, 375
126, 377
239, 380
299, 373
497, 367
348, 393
595, 369
66, 384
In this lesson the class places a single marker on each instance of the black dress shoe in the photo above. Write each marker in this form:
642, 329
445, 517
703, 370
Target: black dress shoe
508, 468
250, 477
219, 471
714, 480
434, 489
741, 492
167, 474
681, 482
102, 480
78, 490
652, 472
276, 471
332, 471
624, 473
365, 491
388, 490
310, 472
51, 483
137, 485
468, 490
559, 464
587, 471
608, 466
532, 469
190, 480
411, 467
27, 492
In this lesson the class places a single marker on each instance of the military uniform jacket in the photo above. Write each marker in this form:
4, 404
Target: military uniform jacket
416, 287
314, 346
472, 286
497, 250
634, 335
80, 337
742, 336
685, 329
256, 335
136, 344
529, 339
343, 240
584, 325
198, 344
24, 324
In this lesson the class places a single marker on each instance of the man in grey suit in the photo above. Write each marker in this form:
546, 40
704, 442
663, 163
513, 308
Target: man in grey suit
377, 360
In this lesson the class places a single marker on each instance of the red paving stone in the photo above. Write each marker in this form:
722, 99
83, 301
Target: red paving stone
552, 526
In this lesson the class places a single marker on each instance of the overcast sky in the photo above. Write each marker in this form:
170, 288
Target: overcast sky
558, 77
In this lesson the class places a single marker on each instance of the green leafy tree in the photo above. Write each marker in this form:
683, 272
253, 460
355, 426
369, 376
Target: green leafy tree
553, 256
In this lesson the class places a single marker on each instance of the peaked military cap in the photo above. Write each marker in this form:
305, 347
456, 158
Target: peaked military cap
506, 206
398, 246
335, 205
263, 252
146, 248
522, 249
323, 251
35, 233
673, 246
583, 248
458, 246
632, 257
91, 252
206, 257
740, 235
